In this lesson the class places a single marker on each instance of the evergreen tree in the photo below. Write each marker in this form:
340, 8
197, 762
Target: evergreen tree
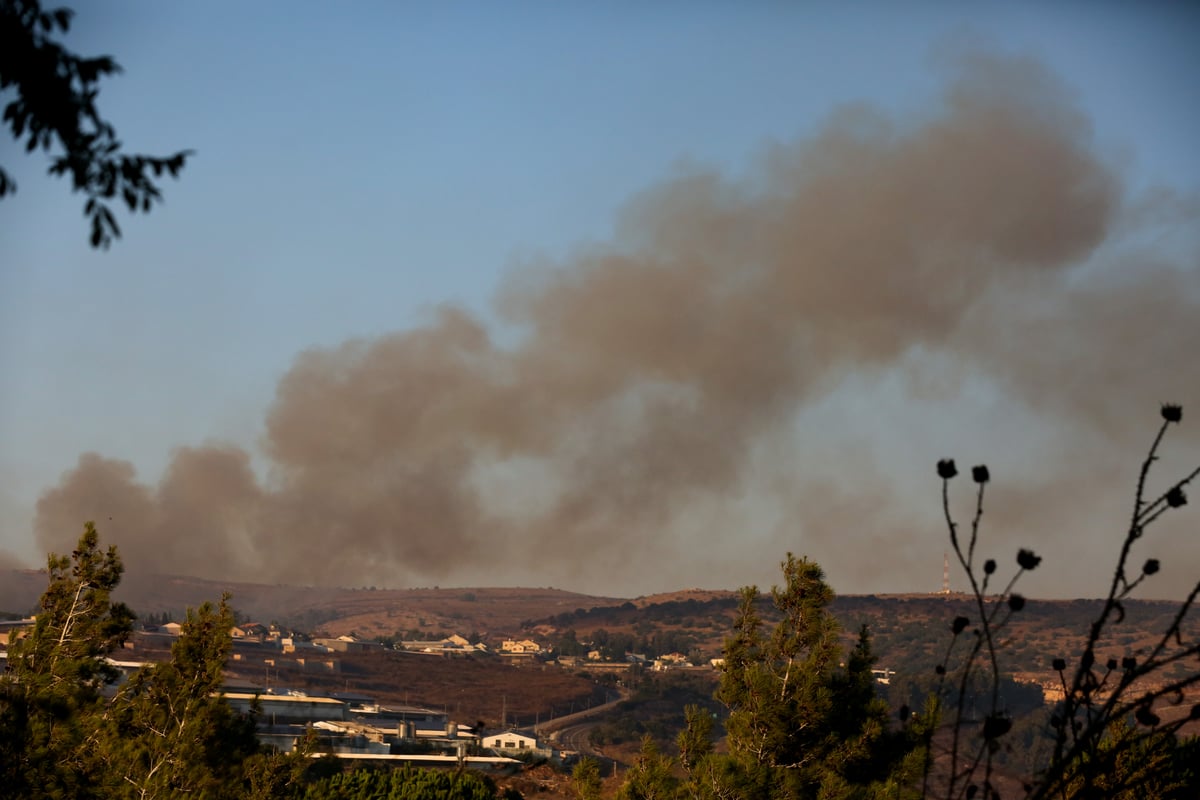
695, 740
169, 732
50, 699
165, 733
801, 724
1130, 764
651, 777
585, 778
406, 783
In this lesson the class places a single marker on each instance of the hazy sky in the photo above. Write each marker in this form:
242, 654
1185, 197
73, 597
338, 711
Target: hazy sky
616, 297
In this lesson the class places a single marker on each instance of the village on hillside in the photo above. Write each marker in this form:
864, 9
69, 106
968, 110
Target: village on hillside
355, 726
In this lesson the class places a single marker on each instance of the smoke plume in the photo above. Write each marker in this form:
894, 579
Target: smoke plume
624, 427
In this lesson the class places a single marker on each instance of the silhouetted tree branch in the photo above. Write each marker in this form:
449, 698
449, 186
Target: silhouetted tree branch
55, 110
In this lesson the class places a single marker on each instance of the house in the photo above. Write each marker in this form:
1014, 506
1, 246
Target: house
172, 628
524, 647
670, 661
291, 644
346, 644
249, 632
510, 742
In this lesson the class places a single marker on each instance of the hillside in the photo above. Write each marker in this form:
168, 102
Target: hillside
910, 632
371, 611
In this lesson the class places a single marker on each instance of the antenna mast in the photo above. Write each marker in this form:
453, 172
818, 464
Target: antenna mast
945, 573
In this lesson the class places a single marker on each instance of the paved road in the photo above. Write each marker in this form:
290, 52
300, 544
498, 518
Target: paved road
571, 731
577, 737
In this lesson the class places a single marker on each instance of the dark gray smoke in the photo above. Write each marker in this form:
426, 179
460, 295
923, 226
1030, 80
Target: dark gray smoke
638, 412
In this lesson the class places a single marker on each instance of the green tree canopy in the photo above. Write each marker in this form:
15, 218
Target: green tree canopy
406, 783
166, 732
50, 698
169, 732
804, 719
585, 778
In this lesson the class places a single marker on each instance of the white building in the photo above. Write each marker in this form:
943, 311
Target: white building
510, 742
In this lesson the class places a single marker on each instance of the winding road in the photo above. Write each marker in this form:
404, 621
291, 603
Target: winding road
572, 731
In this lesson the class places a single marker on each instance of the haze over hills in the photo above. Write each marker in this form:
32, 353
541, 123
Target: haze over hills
704, 615
20, 589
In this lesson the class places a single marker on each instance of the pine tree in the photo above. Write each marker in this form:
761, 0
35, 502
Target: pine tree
585, 778
801, 724
166, 733
50, 699
1130, 764
169, 732
651, 777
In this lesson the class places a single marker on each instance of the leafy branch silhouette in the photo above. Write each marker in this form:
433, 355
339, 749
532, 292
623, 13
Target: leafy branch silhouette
55, 108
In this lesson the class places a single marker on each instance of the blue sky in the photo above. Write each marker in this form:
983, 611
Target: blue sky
359, 166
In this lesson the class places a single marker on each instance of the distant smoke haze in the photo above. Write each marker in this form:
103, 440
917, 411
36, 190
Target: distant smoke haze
634, 433
9, 561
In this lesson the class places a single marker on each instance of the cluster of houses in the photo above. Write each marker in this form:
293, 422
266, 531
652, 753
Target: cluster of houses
320, 654
356, 727
311, 653
594, 661
348, 725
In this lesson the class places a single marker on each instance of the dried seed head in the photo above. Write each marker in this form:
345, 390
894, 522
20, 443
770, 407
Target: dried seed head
996, 726
1147, 717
